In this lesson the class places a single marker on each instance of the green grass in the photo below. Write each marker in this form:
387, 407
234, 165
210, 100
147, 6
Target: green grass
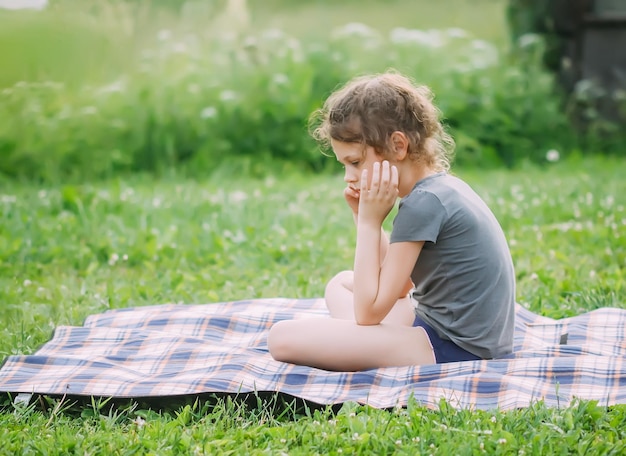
70, 251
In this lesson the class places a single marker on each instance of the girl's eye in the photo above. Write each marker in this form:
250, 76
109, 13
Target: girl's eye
355, 163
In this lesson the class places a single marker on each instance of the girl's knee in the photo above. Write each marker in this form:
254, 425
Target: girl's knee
343, 279
279, 341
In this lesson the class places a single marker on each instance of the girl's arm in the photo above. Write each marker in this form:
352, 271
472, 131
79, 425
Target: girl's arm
379, 281
352, 198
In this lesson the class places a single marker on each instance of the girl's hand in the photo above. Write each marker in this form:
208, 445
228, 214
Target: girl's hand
352, 198
377, 199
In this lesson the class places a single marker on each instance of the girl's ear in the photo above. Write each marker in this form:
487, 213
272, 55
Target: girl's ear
400, 145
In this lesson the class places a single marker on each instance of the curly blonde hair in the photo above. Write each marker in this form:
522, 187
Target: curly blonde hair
368, 109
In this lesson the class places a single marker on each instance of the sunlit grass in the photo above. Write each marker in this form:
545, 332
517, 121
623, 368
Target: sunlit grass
74, 250
68, 251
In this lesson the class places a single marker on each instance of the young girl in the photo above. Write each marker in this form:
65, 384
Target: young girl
442, 288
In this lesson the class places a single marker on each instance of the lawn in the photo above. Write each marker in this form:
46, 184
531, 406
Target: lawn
70, 251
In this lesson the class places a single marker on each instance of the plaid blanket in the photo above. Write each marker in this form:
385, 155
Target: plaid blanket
169, 350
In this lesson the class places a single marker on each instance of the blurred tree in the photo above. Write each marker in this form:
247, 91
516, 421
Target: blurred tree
559, 22
585, 47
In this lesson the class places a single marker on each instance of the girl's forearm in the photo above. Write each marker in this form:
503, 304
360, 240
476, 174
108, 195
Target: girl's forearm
367, 263
384, 240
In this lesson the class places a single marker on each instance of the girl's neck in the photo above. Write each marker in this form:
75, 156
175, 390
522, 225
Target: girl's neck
413, 175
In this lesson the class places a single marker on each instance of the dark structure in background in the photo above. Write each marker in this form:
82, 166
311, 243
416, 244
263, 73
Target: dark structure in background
585, 47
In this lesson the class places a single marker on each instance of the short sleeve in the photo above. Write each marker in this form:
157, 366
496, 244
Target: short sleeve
420, 217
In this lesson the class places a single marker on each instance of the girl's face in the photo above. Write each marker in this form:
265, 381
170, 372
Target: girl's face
355, 158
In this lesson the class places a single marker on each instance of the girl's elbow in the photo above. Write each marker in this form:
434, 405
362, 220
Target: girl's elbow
366, 319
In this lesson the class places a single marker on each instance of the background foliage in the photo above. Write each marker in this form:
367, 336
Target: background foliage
122, 87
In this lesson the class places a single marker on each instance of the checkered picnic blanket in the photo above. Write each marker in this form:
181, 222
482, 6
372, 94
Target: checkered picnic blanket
168, 350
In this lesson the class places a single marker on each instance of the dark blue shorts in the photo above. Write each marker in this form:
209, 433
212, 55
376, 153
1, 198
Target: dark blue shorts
445, 351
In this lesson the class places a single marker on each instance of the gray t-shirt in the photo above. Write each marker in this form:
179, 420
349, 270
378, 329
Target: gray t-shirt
464, 278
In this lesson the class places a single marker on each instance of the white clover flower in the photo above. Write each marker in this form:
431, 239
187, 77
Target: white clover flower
115, 87
27, 283
456, 32
193, 88
139, 422
208, 113
369, 38
250, 42
294, 46
164, 35
228, 95
238, 196
355, 29
89, 110
619, 95
180, 48
553, 155
23, 4
113, 259
280, 79
528, 40
273, 34
428, 38
483, 54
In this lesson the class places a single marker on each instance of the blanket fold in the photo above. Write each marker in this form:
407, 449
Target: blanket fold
171, 350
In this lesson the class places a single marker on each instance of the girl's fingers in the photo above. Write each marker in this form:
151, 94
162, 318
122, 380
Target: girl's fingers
384, 175
352, 193
364, 182
375, 178
384, 179
394, 177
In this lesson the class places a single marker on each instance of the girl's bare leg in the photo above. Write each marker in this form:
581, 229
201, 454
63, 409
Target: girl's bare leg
342, 345
339, 299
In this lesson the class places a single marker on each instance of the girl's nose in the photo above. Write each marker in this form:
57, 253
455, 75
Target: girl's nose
349, 176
